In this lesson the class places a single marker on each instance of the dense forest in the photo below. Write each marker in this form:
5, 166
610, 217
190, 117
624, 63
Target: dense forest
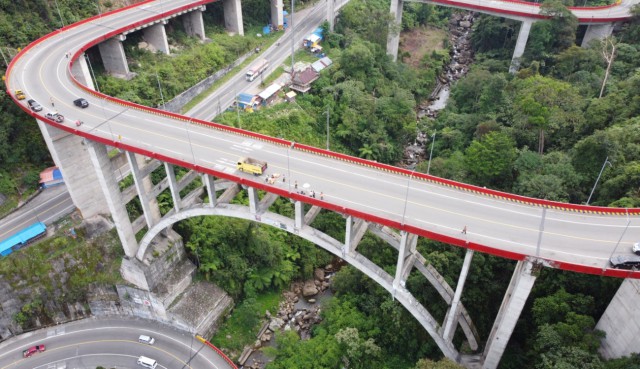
544, 132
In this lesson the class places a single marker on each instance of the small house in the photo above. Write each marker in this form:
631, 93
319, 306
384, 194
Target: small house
301, 81
269, 94
247, 101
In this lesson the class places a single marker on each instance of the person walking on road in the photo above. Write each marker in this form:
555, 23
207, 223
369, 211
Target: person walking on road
295, 185
464, 230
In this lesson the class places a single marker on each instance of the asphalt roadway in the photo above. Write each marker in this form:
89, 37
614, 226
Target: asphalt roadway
111, 343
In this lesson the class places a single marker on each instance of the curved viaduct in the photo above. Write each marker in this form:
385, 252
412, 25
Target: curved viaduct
396, 204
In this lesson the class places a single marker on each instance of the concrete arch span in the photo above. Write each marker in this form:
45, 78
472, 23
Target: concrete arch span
419, 312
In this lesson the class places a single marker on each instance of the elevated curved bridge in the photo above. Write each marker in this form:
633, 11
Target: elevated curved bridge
534, 232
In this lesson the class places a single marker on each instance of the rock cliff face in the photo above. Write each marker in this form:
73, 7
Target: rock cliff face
63, 278
48, 282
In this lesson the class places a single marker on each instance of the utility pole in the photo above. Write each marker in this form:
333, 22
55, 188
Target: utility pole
327, 128
293, 39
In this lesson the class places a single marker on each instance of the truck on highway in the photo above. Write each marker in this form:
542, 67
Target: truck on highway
257, 70
253, 166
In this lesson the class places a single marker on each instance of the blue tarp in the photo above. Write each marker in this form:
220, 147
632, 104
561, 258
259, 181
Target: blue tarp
266, 30
21, 238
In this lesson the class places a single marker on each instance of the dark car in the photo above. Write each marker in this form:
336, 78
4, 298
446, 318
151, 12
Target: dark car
34, 105
625, 261
82, 103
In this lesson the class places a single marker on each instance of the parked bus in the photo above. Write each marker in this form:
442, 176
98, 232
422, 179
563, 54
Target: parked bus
22, 238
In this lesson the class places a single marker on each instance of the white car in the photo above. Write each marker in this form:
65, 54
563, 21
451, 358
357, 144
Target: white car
146, 339
636, 248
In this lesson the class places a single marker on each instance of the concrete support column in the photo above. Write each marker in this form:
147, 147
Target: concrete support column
143, 188
156, 36
106, 181
80, 71
621, 322
451, 320
114, 58
331, 14
71, 157
277, 17
209, 182
298, 214
233, 16
173, 186
346, 248
523, 36
524, 276
597, 31
193, 23
393, 38
253, 200
402, 253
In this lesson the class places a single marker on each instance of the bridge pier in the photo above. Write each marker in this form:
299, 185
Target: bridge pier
80, 71
193, 23
522, 280
596, 31
406, 250
298, 206
521, 43
252, 193
621, 322
233, 16
331, 14
209, 182
114, 58
156, 36
393, 38
116, 205
173, 186
144, 187
277, 17
69, 154
451, 319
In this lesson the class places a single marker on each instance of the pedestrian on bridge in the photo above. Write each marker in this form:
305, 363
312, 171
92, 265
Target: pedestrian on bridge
464, 230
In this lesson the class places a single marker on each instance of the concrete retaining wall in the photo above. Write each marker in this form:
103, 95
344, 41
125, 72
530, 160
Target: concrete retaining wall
177, 103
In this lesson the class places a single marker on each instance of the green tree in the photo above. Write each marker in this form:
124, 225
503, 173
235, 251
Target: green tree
489, 160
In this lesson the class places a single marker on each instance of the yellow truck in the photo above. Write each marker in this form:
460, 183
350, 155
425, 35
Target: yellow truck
253, 166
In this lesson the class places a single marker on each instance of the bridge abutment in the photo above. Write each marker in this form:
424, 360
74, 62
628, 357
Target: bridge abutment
621, 322
331, 14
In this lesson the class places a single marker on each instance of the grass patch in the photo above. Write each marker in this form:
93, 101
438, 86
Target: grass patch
241, 328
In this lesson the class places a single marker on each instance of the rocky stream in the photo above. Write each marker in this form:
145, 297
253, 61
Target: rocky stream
461, 52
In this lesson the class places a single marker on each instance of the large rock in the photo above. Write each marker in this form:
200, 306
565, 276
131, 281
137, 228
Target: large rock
275, 324
309, 289
318, 274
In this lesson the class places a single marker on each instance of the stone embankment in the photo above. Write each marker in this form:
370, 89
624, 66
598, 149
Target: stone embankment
298, 312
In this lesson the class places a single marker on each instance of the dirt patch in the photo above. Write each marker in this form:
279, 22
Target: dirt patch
421, 41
